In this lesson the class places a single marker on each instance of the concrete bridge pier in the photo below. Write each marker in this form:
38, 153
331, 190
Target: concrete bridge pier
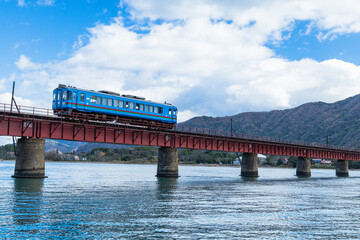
30, 159
168, 162
303, 167
249, 165
342, 168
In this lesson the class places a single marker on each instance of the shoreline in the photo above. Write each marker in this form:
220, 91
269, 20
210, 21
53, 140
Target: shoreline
180, 164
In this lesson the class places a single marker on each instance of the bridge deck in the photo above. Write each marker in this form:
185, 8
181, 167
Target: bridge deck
42, 123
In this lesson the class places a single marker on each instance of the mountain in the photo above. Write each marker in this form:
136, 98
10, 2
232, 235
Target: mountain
310, 122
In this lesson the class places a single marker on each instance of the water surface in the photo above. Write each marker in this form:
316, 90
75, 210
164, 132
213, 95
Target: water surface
102, 201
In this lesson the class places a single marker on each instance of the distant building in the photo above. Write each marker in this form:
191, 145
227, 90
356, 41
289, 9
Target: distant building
261, 159
318, 161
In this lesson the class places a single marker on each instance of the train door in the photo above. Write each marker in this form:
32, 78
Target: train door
81, 98
59, 99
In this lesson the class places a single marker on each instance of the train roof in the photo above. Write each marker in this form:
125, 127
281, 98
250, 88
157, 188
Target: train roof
113, 94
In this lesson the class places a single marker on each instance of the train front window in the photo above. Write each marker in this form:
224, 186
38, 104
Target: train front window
54, 96
64, 95
174, 112
59, 96
169, 111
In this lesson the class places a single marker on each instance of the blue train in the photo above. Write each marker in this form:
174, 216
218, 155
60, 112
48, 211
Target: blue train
70, 99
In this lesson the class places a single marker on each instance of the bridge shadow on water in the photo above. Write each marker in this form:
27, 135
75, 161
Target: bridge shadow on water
27, 201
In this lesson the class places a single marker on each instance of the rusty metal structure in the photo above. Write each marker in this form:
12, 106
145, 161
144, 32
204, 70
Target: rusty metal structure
42, 123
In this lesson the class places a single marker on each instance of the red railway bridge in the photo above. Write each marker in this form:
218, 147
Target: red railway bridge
33, 125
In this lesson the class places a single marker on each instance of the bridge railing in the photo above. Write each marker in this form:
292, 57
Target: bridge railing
33, 111
196, 130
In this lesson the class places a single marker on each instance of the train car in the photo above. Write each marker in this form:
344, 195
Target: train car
71, 99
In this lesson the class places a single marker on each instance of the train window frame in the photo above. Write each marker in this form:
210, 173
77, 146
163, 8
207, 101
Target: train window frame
92, 99
98, 100
110, 102
82, 97
74, 96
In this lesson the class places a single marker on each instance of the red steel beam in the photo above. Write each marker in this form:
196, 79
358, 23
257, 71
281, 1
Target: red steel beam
57, 128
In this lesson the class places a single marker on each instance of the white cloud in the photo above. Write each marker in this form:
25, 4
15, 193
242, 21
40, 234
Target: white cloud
45, 2
21, 3
203, 64
25, 63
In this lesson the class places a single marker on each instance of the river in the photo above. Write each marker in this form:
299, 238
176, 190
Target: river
116, 201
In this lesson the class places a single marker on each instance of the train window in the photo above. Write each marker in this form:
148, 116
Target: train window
92, 99
68, 95
54, 96
156, 109
110, 102
74, 96
104, 101
151, 108
131, 105
82, 97
59, 96
127, 104
137, 106
169, 111
160, 110
141, 107
146, 108
174, 112
64, 96
98, 100
116, 103
121, 103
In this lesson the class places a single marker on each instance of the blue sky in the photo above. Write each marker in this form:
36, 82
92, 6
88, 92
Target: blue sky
207, 57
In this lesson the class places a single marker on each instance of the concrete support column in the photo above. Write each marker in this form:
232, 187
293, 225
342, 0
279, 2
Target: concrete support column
303, 167
30, 159
342, 168
168, 162
249, 165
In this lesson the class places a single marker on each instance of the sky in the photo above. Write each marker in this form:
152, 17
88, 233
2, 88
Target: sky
207, 57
